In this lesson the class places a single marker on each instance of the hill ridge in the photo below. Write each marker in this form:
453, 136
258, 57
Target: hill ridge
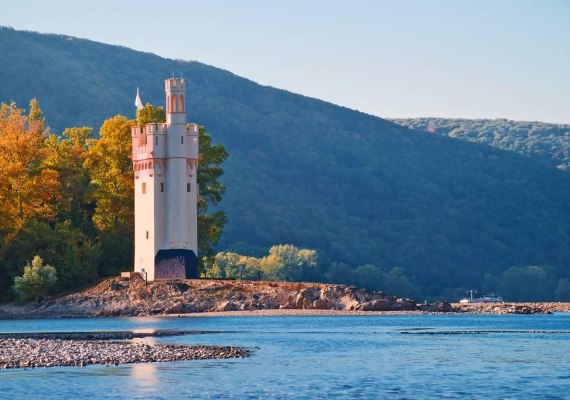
358, 188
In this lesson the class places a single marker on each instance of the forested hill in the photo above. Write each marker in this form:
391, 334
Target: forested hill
360, 189
543, 141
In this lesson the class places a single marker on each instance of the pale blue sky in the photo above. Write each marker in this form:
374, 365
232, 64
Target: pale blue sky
473, 59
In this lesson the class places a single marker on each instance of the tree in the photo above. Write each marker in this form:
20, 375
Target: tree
210, 225
36, 281
369, 277
150, 114
529, 283
112, 192
29, 187
112, 179
339, 273
289, 263
67, 155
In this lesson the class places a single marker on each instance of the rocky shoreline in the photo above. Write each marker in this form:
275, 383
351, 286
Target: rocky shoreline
35, 352
133, 297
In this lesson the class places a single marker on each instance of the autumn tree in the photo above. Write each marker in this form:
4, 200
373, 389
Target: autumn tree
149, 114
112, 192
68, 154
109, 163
29, 186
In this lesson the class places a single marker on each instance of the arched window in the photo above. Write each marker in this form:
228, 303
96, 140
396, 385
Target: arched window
167, 103
174, 104
181, 103
150, 165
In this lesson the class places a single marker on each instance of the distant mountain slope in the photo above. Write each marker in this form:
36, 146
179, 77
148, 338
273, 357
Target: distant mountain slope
356, 187
544, 141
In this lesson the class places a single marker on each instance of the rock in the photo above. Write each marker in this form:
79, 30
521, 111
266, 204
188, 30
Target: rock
177, 308
310, 295
438, 306
228, 306
321, 304
376, 305
405, 305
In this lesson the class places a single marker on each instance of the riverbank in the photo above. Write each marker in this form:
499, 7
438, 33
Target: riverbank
135, 298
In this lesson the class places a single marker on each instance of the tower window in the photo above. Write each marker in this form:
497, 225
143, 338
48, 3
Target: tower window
188, 187
147, 234
174, 107
144, 187
162, 187
156, 140
181, 139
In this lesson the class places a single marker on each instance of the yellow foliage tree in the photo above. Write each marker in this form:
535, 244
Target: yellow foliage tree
29, 186
67, 155
109, 163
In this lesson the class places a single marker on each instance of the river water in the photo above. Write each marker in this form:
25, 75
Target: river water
309, 357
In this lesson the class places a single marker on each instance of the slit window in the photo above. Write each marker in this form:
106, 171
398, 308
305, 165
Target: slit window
188, 187
156, 140
181, 139
162, 187
147, 234
144, 187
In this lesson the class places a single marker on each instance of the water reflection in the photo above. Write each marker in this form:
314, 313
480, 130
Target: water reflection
144, 377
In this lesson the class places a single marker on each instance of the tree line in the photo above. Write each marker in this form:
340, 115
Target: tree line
69, 198
66, 218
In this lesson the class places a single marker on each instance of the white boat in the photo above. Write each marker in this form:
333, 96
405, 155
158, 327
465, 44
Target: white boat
488, 298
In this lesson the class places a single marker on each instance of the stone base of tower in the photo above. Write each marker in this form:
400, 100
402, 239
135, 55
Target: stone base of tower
175, 264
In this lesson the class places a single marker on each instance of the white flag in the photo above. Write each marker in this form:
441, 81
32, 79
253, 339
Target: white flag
138, 101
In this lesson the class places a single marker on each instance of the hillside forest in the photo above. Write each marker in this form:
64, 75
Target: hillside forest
68, 200
549, 143
402, 210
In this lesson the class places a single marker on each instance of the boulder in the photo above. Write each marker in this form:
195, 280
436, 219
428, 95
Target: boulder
376, 305
438, 306
176, 308
228, 306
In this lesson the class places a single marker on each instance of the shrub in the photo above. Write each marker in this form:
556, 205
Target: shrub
36, 281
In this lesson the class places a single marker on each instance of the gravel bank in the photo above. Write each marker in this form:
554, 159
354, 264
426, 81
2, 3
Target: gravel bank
34, 353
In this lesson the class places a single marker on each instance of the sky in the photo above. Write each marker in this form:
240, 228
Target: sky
401, 58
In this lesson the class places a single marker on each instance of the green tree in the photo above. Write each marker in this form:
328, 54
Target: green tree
210, 224
286, 262
36, 113
339, 273
369, 277
397, 283
149, 114
67, 155
529, 283
36, 281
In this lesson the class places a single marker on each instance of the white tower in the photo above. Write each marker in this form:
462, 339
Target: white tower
165, 162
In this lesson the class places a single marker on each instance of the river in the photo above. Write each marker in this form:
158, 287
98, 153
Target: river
310, 357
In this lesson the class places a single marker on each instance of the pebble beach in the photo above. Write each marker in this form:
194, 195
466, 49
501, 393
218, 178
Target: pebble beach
35, 352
